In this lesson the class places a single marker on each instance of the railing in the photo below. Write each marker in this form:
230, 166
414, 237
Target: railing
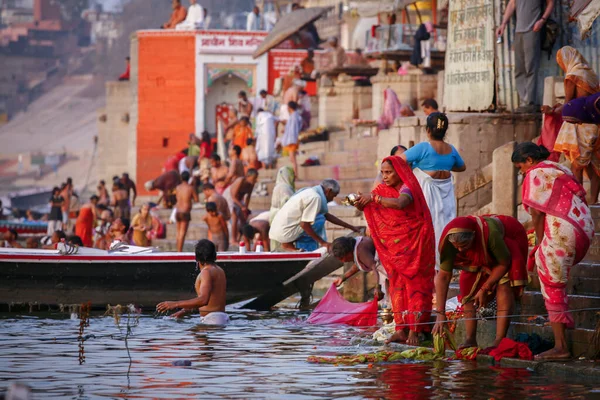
503, 177
392, 38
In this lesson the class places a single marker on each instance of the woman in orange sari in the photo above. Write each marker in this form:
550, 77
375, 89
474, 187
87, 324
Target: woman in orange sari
402, 231
84, 226
491, 253
564, 229
579, 141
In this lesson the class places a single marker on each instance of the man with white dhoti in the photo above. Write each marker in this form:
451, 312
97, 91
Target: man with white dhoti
304, 216
266, 134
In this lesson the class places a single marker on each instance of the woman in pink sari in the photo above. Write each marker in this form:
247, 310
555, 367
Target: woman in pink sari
392, 109
564, 229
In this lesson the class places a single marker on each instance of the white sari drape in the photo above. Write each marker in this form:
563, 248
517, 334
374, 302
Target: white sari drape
441, 200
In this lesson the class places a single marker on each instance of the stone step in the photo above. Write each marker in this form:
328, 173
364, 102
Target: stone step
593, 254
340, 171
584, 279
347, 186
578, 339
532, 303
355, 221
196, 231
584, 308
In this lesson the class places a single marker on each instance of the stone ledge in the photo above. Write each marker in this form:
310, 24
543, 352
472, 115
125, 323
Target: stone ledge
577, 368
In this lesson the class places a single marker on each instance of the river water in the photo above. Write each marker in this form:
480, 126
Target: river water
258, 356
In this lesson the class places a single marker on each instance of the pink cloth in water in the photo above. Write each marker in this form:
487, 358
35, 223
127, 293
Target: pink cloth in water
334, 309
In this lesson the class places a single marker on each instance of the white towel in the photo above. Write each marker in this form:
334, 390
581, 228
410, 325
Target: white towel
441, 200
215, 318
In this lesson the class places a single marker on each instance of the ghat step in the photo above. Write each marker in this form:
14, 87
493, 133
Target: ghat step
584, 308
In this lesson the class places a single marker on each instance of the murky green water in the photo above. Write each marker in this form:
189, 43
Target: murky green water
259, 355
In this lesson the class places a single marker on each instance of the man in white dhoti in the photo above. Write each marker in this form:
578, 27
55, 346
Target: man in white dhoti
193, 19
266, 134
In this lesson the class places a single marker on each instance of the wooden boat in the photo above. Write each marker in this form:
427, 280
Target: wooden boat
134, 275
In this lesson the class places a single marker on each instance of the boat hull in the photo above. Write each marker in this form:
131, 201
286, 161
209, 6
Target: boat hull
140, 280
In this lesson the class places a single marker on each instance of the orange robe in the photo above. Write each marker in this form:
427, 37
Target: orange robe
178, 15
241, 134
84, 226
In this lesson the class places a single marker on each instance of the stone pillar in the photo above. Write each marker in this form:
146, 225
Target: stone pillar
504, 181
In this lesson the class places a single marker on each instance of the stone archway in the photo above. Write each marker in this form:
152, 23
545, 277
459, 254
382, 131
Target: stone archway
224, 89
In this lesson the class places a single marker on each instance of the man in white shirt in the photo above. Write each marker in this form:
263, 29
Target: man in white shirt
194, 18
253, 21
298, 215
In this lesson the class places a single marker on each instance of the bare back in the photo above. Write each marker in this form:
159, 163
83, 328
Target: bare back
212, 278
219, 173
185, 193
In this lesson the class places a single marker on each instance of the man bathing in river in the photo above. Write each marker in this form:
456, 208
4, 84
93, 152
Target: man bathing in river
185, 196
210, 286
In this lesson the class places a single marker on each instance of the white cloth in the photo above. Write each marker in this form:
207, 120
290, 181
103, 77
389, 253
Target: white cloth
284, 112
182, 166
215, 318
267, 104
193, 19
263, 216
265, 137
304, 206
292, 129
253, 22
441, 200
426, 53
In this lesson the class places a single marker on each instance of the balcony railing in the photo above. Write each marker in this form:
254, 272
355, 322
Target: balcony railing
392, 38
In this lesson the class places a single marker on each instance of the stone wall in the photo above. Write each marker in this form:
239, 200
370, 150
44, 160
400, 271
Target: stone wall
113, 131
341, 103
411, 89
475, 136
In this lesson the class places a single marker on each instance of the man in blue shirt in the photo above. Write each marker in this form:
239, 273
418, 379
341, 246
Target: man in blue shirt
293, 127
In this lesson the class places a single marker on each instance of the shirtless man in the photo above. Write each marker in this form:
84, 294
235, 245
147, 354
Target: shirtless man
211, 285
218, 172
217, 227
66, 192
255, 230
185, 194
236, 166
238, 196
249, 157
210, 195
118, 232
166, 183
129, 186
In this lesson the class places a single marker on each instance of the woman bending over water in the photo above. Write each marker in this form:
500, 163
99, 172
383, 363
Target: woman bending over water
402, 231
491, 253
564, 230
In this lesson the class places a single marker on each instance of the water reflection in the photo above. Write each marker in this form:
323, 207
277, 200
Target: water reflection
260, 355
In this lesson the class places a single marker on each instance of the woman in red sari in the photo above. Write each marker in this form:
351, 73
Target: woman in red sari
564, 229
84, 226
491, 252
402, 231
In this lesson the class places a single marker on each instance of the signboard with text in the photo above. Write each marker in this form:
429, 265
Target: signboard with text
229, 41
469, 69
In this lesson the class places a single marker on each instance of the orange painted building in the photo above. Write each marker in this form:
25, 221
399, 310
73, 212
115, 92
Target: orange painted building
180, 78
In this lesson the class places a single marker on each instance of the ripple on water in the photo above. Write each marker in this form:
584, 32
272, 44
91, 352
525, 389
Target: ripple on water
260, 355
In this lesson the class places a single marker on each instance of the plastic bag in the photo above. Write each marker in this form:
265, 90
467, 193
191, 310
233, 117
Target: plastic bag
334, 309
